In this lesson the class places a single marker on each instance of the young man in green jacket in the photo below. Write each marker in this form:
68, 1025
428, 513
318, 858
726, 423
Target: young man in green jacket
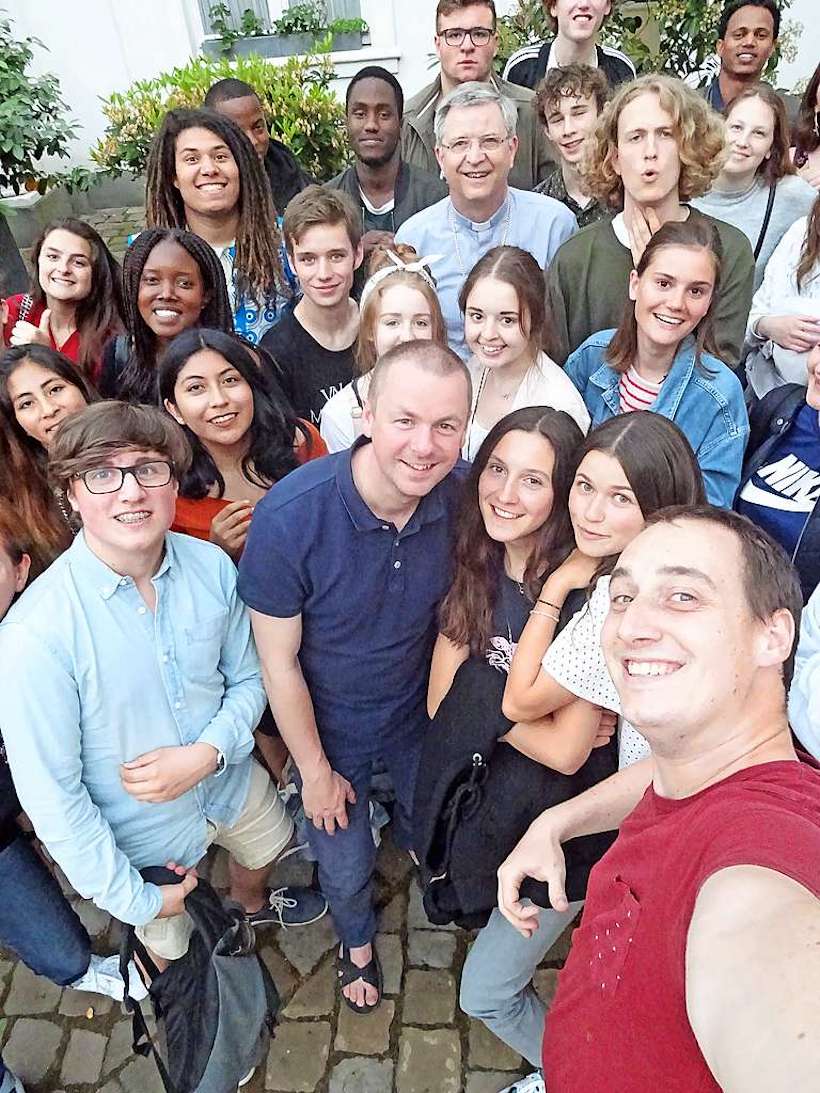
466, 43
657, 146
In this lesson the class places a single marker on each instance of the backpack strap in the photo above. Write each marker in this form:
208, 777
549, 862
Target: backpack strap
142, 1044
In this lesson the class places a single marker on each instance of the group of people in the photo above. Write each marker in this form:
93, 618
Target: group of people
514, 422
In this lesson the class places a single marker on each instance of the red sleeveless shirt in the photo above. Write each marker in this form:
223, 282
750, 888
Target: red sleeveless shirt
618, 1023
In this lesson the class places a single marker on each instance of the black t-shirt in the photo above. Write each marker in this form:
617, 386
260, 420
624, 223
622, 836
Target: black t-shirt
308, 373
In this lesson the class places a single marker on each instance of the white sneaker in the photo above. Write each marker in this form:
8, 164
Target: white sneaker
247, 1077
103, 977
533, 1083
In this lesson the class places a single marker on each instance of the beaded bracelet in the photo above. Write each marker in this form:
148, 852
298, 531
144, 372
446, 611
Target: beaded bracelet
546, 614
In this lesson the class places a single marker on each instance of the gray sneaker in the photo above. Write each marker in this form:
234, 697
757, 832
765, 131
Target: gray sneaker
292, 906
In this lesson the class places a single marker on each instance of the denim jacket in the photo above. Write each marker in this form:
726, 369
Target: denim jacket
705, 403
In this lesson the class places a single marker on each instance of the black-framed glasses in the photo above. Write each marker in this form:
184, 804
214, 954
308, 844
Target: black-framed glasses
156, 472
479, 36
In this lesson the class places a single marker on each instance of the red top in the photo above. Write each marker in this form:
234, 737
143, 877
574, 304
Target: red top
618, 1023
70, 347
194, 517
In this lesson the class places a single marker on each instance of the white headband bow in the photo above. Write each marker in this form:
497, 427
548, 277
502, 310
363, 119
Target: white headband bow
419, 266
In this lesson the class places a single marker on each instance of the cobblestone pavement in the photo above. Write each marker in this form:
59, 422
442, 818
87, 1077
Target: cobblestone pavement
417, 1041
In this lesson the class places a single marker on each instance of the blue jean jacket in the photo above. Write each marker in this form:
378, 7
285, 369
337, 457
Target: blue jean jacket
706, 404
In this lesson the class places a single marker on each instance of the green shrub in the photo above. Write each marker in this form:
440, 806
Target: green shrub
33, 120
300, 106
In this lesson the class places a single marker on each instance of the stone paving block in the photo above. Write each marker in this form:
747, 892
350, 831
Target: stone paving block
488, 1081
78, 1003
31, 1048
141, 1076
393, 916
317, 996
364, 1033
545, 982
392, 863
304, 947
298, 1056
112, 1087
429, 998
220, 877
388, 946
119, 1046
417, 917
6, 967
283, 974
30, 993
429, 1061
83, 1059
431, 947
487, 1051
97, 922
362, 1076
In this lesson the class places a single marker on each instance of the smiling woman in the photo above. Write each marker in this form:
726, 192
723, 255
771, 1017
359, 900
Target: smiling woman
662, 357
172, 281
75, 302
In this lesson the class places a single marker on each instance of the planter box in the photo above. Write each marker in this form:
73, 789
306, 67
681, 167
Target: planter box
281, 45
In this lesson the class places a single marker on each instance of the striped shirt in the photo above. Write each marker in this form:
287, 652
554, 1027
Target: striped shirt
635, 392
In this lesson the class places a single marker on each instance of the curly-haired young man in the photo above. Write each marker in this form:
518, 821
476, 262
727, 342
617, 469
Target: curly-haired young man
656, 146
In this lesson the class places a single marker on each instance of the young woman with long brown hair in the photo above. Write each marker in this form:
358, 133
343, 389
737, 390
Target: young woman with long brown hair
806, 133
75, 302
758, 189
663, 356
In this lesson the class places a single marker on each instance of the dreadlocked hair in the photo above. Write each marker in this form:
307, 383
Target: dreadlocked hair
138, 382
100, 314
271, 454
258, 268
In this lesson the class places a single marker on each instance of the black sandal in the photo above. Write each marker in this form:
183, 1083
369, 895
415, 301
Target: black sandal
347, 972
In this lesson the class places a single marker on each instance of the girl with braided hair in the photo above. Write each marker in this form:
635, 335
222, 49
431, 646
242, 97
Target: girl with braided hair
172, 280
204, 175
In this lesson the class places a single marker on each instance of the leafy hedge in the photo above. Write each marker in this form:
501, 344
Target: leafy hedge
300, 106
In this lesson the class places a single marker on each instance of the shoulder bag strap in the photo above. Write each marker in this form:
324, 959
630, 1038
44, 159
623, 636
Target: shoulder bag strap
142, 1043
766, 218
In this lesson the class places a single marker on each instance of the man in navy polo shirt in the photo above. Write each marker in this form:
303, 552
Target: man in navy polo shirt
346, 562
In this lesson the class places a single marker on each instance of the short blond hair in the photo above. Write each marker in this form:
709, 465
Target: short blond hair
698, 130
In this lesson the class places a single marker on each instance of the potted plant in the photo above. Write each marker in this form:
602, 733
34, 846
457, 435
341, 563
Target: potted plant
299, 30
33, 124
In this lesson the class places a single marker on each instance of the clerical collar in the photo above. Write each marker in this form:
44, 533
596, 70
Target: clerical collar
487, 225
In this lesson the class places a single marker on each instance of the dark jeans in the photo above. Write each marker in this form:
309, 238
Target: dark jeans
347, 857
37, 921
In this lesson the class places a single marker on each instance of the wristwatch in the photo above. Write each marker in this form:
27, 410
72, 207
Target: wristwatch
221, 764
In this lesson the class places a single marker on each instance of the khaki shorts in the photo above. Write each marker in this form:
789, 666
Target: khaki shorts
256, 839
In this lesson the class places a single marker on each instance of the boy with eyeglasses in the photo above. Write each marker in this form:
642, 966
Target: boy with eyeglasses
466, 42
132, 689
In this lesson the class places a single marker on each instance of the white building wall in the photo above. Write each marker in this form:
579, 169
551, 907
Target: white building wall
99, 46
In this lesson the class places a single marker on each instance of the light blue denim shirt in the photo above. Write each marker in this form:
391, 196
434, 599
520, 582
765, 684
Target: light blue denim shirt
91, 678
535, 222
707, 406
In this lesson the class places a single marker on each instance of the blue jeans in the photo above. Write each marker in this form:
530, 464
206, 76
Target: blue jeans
496, 981
347, 857
37, 921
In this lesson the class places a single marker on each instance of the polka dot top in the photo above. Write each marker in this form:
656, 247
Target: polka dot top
575, 659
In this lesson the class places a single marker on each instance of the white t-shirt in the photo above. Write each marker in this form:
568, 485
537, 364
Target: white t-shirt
575, 659
339, 423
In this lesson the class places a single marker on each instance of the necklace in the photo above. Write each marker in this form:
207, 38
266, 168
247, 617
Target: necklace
454, 233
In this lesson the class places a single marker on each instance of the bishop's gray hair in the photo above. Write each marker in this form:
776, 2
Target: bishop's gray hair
475, 94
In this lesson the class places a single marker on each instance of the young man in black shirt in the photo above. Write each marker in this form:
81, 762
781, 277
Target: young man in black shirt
238, 101
576, 24
313, 344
